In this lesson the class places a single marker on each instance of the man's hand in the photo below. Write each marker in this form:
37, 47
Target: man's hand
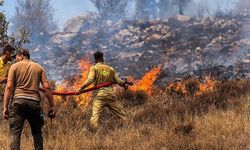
126, 83
52, 113
125, 86
5, 113
79, 91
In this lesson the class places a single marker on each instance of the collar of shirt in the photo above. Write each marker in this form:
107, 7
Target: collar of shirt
99, 63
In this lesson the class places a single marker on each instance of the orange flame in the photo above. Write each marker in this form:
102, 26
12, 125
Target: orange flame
83, 99
204, 87
59, 88
178, 88
146, 83
181, 87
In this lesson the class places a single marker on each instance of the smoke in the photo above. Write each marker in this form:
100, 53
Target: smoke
142, 9
66, 9
138, 38
202, 8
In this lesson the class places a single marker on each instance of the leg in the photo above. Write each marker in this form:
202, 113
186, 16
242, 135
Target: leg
16, 121
116, 107
96, 111
36, 122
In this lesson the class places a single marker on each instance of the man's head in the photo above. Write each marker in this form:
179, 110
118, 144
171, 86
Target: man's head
7, 51
22, 54
98, 57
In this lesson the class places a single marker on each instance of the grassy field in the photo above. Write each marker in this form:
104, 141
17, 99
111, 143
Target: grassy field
218, 119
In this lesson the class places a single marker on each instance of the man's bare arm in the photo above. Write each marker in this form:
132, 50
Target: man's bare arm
7, 95
48, 93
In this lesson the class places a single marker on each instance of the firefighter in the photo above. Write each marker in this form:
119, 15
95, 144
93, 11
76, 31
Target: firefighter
23, 86
105, 97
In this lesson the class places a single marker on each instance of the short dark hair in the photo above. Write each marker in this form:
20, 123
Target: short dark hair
23, 52
98, 56
8, 48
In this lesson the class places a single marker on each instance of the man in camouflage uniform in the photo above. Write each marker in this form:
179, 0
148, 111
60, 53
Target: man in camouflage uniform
101, 73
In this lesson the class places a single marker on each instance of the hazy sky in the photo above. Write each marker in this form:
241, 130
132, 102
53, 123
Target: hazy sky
64, 9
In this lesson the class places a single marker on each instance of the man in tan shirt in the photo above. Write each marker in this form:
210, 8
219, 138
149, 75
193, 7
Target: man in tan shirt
23, 83
101, 73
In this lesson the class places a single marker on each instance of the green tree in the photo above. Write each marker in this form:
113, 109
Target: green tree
3, 28
18, 40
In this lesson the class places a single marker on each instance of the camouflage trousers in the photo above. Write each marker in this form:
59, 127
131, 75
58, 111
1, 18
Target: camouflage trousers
112, 103
19, 111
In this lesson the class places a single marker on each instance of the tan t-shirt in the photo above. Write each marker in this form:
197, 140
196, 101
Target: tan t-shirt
26, 76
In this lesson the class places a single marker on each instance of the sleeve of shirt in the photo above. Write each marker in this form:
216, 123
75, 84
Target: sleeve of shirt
43, 76
91, 77
117, 79
11, 74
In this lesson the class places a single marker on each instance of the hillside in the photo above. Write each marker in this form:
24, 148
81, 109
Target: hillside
179, 45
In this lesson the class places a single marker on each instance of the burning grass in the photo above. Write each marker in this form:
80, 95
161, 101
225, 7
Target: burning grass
141, 88
147, 81
73, 84
200, 96
191, 87
189, 114
217, 119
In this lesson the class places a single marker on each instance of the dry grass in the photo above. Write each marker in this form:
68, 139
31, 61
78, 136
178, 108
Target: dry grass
216, 120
